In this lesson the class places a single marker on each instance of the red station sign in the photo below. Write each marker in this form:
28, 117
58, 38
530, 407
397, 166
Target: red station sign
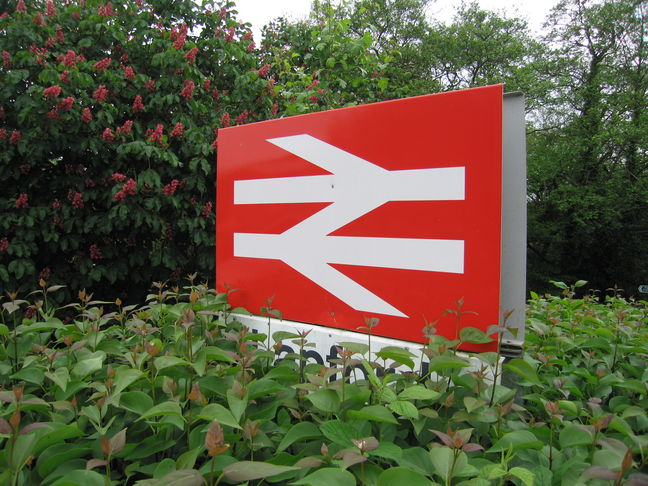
389, 210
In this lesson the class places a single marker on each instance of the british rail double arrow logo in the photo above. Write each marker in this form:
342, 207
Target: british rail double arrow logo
354, 188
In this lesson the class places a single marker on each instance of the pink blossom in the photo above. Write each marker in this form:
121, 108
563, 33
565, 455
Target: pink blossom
65, 104
225, 120
4, 244
15, 137
22, 201
230, 34
191, 55
106, 10
223, 13
171, 188
247, 35
6, 59
178, 130
207, 209
20, 6
127, 189
101, 66
126, 127
118, 178
242, 117
60, 36
150, 85
187, 91
251, 47
156, 135
275, 108
137, 104
76, 199
38, 19
95, 252
108, 135
65, 77
129, 73
50, 9
100, 93
263, 70
53, 114
86, 115
70, 58
52, 91
3, 133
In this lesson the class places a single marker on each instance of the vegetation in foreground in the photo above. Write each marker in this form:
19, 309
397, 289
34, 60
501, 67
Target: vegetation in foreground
176, 392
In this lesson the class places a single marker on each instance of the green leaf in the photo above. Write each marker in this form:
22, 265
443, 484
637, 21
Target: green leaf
418, 392
443, 460
250, 470
58, 435
187, 460
328, 476
164, 408
183, 477
402, 476
89, 365
135, 401
30, 374
61, 377
168, 361
516, 440
418, 459
215, 411
572, 436
124, 377
441, 363
404, 408
375, 413
299, 432
524, 475
340, 432
398, 355
325, 400
474, 335
217, 354
81, 478
524, 369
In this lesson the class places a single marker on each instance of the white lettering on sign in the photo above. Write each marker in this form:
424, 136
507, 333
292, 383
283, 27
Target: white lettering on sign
355, 188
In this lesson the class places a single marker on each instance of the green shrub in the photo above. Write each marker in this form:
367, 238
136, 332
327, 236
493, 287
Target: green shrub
176, 390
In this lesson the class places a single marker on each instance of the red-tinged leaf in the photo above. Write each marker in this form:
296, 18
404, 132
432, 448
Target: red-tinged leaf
105, 446
445, 438
28, 428
472, 447
117, 442
351, 457
638, 479
5, 428
214, 441
92, 463
251, 470
181, 477
626, 464
600, 472
309, 462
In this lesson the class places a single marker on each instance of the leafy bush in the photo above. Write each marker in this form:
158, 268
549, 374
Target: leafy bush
108, 123
177, 392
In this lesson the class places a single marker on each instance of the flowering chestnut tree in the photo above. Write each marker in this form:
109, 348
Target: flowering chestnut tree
109, 118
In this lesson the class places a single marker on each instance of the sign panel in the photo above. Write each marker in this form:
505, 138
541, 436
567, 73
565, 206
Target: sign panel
390, 210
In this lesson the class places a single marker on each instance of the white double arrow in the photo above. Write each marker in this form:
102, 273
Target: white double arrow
355, 187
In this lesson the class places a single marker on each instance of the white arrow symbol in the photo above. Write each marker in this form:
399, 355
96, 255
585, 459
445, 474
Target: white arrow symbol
355, 187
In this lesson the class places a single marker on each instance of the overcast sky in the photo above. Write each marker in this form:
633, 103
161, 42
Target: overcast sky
260, 12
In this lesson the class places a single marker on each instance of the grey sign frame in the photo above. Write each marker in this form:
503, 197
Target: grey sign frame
514, 223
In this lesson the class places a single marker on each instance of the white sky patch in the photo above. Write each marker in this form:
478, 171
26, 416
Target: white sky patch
261, 12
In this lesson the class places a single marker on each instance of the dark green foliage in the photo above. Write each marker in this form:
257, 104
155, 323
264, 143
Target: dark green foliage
177, 392
108, 191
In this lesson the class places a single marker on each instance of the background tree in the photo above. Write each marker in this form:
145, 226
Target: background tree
108, 128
